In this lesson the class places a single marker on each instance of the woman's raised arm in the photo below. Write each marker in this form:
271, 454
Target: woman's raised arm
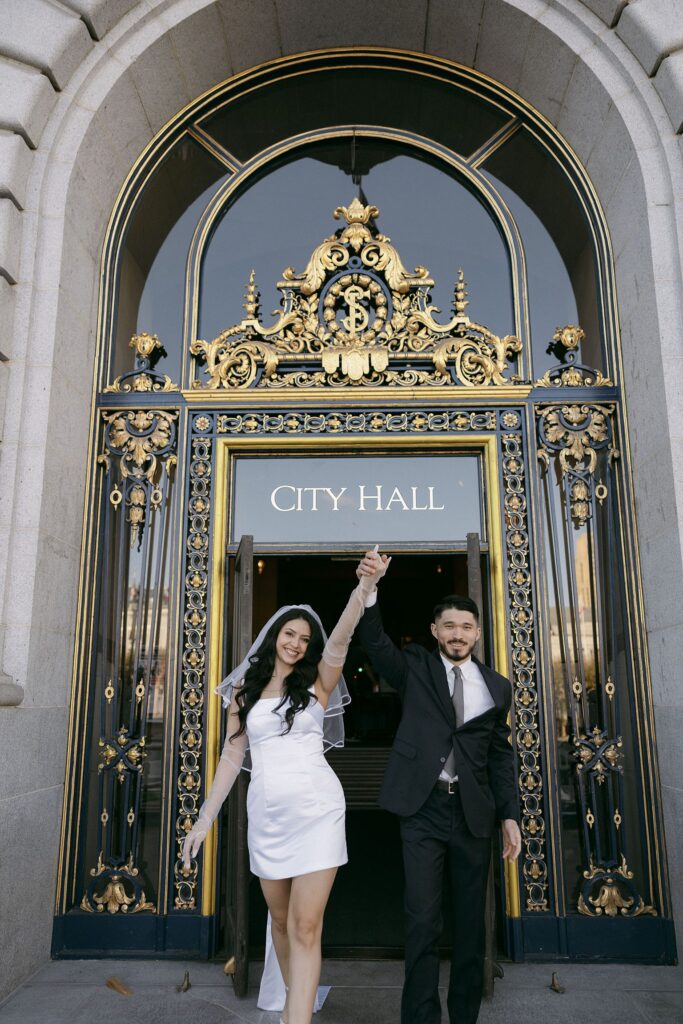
336, 648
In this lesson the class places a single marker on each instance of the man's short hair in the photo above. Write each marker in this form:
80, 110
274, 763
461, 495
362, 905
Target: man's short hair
461, 604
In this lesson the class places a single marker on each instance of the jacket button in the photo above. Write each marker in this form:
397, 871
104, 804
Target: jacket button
443, 760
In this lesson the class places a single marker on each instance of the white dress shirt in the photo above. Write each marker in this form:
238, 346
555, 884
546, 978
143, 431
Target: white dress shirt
476, 694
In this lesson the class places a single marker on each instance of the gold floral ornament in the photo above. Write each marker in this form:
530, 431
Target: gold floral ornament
115, 890
354, 316
569, 374
143, 379
598, 755
617, 896
140, 442
124, 754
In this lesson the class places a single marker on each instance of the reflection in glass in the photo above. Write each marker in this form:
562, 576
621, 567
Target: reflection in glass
430, 215
436, 110
551, 298
552, 222
600, 817
151, 287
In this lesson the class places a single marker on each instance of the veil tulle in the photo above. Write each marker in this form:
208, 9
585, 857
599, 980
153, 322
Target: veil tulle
333, 726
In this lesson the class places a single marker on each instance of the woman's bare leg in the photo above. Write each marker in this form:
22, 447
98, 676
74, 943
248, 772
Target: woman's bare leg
307, 902
277, 896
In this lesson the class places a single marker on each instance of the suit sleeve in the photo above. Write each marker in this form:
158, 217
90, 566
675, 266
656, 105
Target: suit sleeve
502, 770
384, 655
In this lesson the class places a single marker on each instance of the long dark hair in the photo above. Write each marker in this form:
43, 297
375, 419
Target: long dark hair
296, 684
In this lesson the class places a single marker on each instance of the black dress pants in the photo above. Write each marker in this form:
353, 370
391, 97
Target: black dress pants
436, 839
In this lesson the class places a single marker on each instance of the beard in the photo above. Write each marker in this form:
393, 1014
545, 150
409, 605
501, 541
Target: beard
457, 654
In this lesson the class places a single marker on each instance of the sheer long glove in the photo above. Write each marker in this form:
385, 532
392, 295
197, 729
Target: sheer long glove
339, 639
229, 767
373, 566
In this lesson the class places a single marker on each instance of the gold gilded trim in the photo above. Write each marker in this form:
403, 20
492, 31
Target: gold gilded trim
490, 397
482, 154
214, 704
227, 446
355, 317
214, 148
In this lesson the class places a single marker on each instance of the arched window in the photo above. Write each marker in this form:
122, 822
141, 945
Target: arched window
495, 154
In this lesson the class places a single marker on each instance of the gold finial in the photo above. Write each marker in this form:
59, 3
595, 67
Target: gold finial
252, 297
356, 213
569, 337
460, 301
144, 344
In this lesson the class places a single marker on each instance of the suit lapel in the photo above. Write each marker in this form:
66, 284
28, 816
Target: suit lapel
494, 689
440, 682
491, 683
441, 685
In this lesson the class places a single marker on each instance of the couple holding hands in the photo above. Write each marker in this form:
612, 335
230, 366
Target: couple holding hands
450, 779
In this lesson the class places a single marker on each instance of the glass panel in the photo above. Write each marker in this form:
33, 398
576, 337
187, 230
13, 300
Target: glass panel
151, 288
362, 500
130, 673
558, 245
566, 648
552, 302
618, 670
598, 757
437, 110
429, 214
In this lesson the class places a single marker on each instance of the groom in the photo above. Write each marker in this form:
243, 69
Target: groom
450, 778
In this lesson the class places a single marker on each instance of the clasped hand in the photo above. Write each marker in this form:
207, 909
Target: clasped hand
373, 565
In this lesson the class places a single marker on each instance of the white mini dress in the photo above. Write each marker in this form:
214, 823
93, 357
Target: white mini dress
295, 802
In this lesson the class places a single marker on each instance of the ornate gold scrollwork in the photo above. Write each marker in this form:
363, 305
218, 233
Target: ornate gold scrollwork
616, 895
522, 625
374, 250
355, 316
235, 364
138, 438
575, 434
571, 374
192, 696
143, 379
120, 890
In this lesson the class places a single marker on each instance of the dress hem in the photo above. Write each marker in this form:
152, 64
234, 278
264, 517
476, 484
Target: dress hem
300, 874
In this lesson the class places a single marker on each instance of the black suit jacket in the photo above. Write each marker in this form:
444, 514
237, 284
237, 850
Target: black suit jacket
484, 758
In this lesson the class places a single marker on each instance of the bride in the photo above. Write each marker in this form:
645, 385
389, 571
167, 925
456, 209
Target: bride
285, 704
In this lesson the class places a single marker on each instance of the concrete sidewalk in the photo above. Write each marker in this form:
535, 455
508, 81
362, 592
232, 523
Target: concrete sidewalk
364, 992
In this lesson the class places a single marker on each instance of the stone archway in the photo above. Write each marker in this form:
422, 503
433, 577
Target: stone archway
116, 94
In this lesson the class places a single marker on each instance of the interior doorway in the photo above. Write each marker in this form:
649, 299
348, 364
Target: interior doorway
365, 913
